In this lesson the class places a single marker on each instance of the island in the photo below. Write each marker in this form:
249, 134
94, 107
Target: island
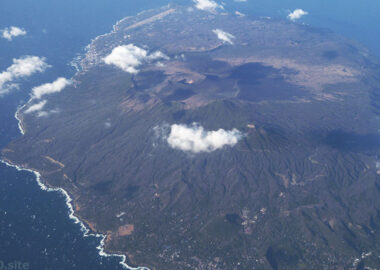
211, 140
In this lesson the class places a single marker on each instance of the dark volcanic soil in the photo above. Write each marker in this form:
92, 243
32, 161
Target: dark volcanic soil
299, 191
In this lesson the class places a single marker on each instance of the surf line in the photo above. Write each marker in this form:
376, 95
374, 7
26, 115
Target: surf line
68, 200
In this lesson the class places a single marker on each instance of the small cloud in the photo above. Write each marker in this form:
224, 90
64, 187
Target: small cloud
21, 67
296, 14
130, 57
157, 55
160, 64
195, 139
47, 113
224, 36
207, 5
13, 31
49, 88
42, 114
240, 1
108, 123
239, 13
36, 107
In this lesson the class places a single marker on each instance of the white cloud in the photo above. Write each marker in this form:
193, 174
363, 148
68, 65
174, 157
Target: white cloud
224, 36
42, 114
130, 57
22, 67
13, 31
36, 107
208, 5
47, 113
239, 13
296, 14
108, 123
195, 139
240, 1
157, 55
49, 88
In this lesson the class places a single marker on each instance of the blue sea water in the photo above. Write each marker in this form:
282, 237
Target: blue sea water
357, 20
34, 224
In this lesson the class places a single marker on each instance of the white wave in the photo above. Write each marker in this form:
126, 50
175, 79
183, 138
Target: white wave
84, 229
68, 200
20, 127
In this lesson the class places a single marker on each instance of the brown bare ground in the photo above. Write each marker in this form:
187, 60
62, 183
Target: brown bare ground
52, 160
125, 230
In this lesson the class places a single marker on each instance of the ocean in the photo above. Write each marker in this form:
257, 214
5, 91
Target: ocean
35, 229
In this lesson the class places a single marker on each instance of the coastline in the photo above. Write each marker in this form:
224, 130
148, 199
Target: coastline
68, 200
20, 127
89, 58
72, 216
103, 239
